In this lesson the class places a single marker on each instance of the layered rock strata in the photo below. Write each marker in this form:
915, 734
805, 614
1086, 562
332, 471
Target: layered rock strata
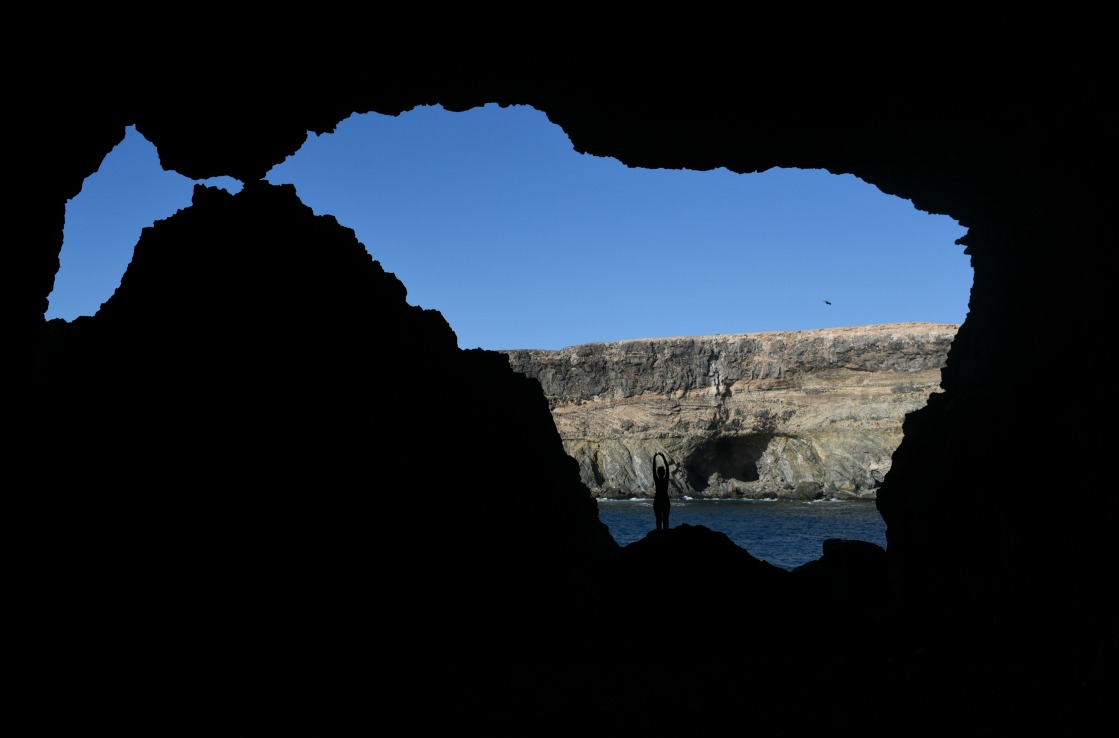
802, 414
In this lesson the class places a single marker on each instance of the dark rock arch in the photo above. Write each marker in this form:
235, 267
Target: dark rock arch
988, 558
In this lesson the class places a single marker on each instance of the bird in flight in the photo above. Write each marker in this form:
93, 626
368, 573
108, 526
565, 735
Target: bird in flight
827, 302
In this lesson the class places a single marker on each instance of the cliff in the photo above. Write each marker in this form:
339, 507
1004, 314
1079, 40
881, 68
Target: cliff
804, 414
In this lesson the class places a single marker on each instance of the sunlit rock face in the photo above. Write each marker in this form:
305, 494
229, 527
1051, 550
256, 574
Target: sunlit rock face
805, 414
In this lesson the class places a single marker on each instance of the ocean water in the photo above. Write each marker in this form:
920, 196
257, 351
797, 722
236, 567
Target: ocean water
784, 533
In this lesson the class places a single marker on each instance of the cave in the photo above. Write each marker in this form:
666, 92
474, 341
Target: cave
728, 458
205, 550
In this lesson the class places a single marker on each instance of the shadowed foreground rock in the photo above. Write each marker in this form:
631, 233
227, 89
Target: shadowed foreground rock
216, 527
254, 405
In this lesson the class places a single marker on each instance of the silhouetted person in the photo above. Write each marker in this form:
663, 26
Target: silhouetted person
660, 484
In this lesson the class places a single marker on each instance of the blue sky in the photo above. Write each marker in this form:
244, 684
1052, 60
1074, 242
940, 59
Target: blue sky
490, 217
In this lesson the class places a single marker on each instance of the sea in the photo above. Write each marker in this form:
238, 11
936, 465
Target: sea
785, 533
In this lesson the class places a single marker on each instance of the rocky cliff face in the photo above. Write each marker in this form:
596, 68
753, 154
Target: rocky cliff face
802, 414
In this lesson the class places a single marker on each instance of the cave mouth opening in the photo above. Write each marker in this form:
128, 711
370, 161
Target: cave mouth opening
489, 216
726, 460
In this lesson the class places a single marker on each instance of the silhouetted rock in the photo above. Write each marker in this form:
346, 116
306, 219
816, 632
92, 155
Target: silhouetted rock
689, 576
215, 510
247, 421
851, 572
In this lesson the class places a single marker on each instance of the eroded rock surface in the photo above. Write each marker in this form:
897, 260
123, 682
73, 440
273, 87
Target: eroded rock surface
802, 414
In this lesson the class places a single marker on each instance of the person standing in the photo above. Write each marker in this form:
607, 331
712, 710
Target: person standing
661, 503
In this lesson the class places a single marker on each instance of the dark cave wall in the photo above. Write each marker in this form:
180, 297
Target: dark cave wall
249, 424
1011, 148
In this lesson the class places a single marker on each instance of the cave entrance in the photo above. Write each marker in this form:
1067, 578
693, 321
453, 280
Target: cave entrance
731, 459
490, 217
